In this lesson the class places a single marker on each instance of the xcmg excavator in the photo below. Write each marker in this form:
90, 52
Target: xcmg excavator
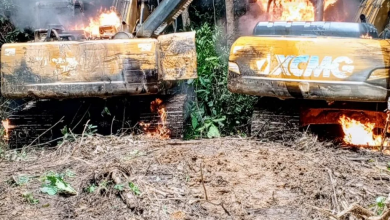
65, 82
315, 72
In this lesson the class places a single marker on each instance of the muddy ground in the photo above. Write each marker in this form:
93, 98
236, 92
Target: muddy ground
227, 178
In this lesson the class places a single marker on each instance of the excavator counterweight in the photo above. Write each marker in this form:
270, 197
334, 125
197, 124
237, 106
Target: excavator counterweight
129, 63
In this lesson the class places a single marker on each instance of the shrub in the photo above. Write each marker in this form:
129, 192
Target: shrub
216, 111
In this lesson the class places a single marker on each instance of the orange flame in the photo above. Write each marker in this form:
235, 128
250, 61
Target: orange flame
105, 18
357, 133
292, 10
6, 126
366, 36
161, 131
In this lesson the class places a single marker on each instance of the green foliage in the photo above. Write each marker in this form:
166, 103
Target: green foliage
135, 189
30, 198
22, 180
380, 203
91, 188
10, 34
54, 183
106, 111
217, 111
119, 187
91, 130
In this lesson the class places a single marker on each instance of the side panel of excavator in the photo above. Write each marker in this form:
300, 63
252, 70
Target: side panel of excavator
104, 68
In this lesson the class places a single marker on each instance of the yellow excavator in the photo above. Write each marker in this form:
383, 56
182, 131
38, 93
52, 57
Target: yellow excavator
64, 81
314, 72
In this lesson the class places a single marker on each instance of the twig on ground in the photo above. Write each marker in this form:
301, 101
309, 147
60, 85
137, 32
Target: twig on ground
334, 190
201, 176
324, 211
356, 210
112, 123
82, 138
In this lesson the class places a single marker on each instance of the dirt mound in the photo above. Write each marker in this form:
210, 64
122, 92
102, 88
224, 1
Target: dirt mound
228, 178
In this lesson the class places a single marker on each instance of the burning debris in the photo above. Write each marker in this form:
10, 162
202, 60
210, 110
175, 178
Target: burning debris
292, 10
161, 131
104, 25
366, 36
6, 127
361, 134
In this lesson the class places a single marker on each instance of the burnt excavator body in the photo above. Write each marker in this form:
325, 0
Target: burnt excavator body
314, 72
322, 61
117, 74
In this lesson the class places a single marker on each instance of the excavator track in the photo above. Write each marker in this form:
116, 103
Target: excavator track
275, 120
30, 126
175, 107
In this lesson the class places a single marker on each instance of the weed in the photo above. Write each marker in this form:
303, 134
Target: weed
22, 180
380, 204
106, 111
54, 183
90, 130
91, 188
119, 187
30, 198
135, 189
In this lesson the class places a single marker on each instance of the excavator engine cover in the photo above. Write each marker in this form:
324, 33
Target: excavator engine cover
333, 61
318, 28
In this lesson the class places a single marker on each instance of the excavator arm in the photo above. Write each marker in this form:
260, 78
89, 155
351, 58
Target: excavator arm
375, 12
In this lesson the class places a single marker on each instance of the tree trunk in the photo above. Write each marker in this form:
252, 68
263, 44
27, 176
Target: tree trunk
186, 19
229, 4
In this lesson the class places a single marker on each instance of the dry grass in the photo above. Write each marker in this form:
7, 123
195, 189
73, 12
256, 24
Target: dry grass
206, 179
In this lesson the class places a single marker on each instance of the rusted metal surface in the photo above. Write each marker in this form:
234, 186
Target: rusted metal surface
331, 116
178, 56
321, 68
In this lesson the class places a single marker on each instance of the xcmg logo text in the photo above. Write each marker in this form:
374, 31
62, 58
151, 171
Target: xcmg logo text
305, 66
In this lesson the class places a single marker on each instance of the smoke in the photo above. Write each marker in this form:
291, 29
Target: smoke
255, 13
38, 14
342, 10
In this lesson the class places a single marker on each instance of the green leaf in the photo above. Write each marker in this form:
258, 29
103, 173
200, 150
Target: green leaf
91, 188
134, 188
22, 180
212, 58
119, 187
194, 121
220, 119
200, 129
51, 190
30, 198
213, 132
380, 201
64, 187
64, 130
106, 111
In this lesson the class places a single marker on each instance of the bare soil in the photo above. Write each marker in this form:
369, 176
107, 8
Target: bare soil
227, 178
